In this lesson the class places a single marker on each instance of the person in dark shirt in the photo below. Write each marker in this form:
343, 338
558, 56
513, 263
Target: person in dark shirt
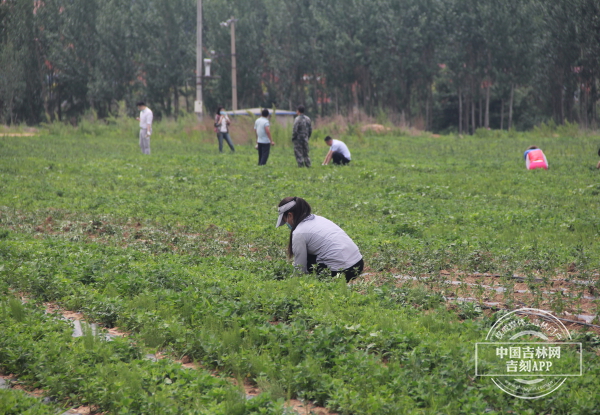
300, 135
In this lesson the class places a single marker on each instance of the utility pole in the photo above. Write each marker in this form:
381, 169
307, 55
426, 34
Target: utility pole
233, 67
198, 104
231, 23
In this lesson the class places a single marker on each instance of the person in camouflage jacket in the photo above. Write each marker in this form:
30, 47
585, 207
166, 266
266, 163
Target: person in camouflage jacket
301, 133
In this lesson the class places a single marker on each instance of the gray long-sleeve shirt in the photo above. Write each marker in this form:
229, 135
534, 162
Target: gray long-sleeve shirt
323, 238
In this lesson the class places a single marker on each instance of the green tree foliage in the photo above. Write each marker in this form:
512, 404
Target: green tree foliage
167, 51
254, 53
19, 82
439, 64
12, 82
571, 40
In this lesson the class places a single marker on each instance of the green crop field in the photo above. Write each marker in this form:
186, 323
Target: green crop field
179, 249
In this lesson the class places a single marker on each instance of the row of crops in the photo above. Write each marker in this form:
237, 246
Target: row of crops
179, 251
357, 349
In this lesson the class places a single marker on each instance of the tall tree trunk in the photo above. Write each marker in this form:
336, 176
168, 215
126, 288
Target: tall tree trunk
355, 99
480, 111
11, 114
427, 110
581, 104
488, 86
460, 112
487, 106
366, 92
467, 112
427, 114
558, 106
187, 96
431, 106
594, 101
300, 91
510, 105
588, 104
502, 115
176, 101
562, 106
473, 121
316, 93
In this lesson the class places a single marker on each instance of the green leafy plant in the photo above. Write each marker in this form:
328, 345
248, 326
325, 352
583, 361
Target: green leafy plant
180, 251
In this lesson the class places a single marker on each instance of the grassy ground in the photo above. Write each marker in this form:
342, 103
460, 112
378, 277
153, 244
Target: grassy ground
180, 248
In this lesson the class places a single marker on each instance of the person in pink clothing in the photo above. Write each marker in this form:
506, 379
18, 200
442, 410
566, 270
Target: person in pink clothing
535, 159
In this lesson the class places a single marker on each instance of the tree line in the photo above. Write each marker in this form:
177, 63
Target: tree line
454, 65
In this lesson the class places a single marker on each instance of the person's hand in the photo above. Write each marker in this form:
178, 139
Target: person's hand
272, 143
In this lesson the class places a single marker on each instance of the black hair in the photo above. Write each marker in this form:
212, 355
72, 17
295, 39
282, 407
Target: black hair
265, 112
219, 108
301, 211
141, 103
531, 148
300, 109
328, 138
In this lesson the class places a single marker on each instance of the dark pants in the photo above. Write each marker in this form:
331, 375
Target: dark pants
263, 153
226, 137
338, 158
350, 273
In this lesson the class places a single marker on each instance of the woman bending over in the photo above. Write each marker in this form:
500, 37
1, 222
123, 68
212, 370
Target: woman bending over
317, 243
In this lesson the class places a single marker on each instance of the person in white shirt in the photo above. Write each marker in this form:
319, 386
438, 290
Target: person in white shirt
262, 128
317, 243
338, 152
222, 123
145, 120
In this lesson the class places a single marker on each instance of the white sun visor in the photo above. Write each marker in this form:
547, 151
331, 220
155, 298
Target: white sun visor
282, 210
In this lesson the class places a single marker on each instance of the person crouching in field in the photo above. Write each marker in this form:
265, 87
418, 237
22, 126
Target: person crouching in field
535, 158
339, 152
317, 243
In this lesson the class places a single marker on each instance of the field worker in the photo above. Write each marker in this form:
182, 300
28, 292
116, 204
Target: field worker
262, 128
222, 123
145, 120
300, 135
535, 159
318, 242
338, 152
